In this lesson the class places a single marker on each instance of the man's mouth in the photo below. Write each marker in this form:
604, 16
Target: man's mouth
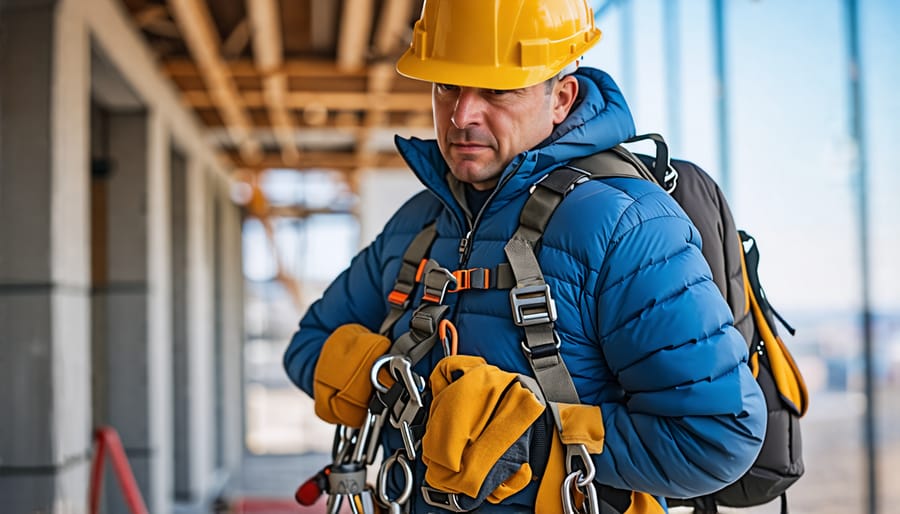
469, 146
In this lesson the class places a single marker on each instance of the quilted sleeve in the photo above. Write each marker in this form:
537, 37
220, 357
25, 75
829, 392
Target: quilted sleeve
692, 418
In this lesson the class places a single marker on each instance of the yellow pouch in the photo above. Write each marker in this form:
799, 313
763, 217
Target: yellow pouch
342, 385
477, 414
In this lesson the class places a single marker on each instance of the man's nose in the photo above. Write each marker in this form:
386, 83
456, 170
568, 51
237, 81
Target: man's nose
468, 109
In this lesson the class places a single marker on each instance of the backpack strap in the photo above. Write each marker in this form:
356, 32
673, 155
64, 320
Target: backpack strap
662, 170
615, 162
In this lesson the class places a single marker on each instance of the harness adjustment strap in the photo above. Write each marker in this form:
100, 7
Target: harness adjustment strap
398, 298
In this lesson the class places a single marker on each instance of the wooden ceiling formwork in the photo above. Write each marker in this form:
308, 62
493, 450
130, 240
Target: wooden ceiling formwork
290, 83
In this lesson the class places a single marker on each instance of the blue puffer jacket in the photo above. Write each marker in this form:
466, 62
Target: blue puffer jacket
645, 332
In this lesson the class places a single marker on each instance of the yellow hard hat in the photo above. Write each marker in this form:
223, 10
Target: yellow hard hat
499, 44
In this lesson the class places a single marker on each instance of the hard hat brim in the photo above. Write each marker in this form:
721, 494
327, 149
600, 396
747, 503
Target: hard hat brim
465, 75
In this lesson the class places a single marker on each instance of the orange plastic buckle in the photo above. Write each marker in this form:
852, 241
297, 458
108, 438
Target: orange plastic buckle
398, 297
464, 278
421, 270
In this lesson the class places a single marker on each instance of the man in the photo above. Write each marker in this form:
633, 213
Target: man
642, 329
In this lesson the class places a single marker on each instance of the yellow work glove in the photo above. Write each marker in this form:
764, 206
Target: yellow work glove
342, 385
477, 440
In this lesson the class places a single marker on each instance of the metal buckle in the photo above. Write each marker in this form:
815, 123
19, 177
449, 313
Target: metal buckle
436, 281
532, 305
436, 498
542, 350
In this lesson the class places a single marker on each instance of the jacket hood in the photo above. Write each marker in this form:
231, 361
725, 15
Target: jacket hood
599, 120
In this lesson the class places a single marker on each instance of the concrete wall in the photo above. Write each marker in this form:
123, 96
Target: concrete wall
57, 384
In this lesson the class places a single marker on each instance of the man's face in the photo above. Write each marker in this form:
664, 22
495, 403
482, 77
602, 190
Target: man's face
479, 131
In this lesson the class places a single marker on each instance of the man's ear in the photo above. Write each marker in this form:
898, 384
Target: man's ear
565, 91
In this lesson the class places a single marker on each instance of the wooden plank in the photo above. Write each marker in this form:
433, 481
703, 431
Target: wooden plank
356, 31
404, 102
202, 39
268, 53
340, 161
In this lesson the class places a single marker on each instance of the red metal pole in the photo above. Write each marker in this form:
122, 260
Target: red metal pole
107, 437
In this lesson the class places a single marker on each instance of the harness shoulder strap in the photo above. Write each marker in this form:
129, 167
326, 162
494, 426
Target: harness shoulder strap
533, 306
407, 277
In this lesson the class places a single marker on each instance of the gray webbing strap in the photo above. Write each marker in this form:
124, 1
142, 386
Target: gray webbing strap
406, 277
617, 162
533, 307
422, 334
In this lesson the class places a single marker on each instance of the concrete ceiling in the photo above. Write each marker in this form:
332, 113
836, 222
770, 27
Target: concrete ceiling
291, 83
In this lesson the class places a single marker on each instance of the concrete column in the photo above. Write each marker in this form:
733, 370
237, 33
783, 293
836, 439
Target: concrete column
200, 329
231, 330
159, 314
180, 355
44, 276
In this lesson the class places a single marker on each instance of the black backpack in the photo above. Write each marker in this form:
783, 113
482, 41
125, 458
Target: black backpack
733, 257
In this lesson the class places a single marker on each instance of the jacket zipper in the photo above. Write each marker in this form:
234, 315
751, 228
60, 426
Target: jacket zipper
465, 244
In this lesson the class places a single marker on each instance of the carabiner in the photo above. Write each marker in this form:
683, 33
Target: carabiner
395, 504
587, 470
568, 500
449, 337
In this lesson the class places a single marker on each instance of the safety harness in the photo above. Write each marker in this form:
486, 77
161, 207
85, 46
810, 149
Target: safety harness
533, 308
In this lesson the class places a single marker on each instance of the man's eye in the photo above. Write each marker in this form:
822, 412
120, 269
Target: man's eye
499, 92
446, 87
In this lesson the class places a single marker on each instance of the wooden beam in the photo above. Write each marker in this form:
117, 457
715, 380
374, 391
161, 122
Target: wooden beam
300, 211
237, 40
401, 102
269, 54
150, 14
322, 16
391, 33
356, 30
202, 39
394, 14
155, 19
293, 68
341, 161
